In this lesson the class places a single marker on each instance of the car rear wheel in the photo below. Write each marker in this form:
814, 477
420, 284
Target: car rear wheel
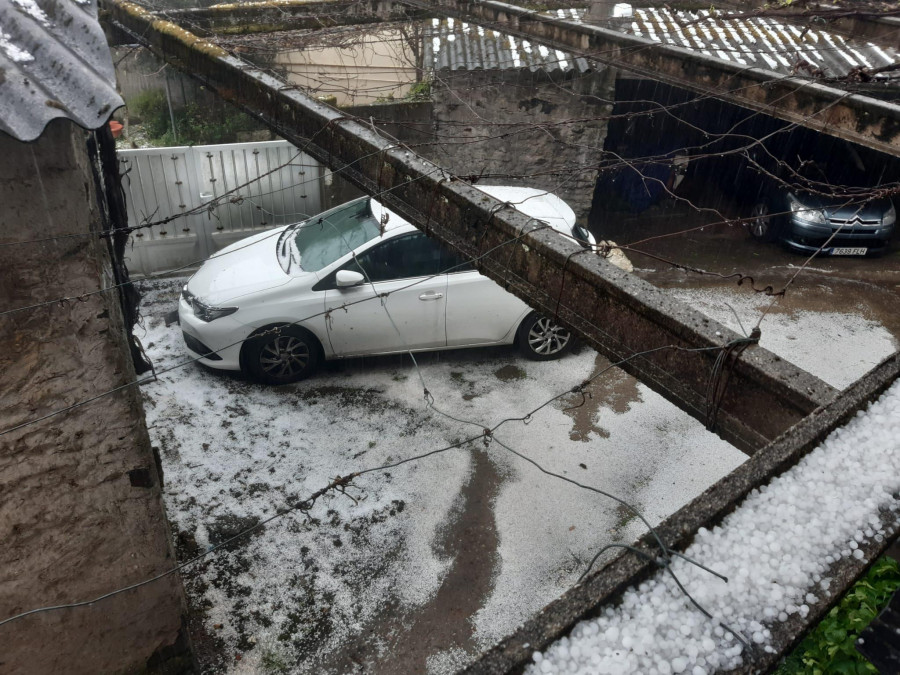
284, 355
542, 339
763, 225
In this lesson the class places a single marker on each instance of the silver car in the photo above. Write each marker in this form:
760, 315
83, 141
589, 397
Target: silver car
805, 222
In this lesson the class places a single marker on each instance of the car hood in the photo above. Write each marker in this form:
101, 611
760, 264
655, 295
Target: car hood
838, 208
539, 204
247, 266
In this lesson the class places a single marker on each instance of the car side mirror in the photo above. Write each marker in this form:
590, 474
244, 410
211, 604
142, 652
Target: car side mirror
347, 278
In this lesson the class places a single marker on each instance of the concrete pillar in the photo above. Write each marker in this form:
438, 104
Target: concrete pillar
80, 502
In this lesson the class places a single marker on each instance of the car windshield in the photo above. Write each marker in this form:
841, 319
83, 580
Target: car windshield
323, 239
836, 163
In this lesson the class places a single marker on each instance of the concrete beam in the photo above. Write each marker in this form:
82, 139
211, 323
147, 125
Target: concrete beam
277, 15
267, 17
625, 570
857, 118
616, 313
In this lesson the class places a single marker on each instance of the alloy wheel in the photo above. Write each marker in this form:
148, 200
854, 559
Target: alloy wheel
761, 220
547, 338
284, 357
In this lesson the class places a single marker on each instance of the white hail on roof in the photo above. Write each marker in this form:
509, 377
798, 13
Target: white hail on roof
776, 550
12, 51
622, 10
30, 7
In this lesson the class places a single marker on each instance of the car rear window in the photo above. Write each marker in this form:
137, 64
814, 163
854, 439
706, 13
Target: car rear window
323, 239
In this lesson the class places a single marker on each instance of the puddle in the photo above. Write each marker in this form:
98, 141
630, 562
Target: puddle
509, 373
444, 623
615, 389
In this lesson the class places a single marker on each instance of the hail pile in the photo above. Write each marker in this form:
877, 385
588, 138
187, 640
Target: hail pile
775, 549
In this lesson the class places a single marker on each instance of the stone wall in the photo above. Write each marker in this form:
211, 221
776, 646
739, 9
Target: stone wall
139, 70
543, 130
532, 128
80, 506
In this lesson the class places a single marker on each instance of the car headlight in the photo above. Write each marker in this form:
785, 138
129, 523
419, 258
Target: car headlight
804, 212
203, 311
206, 313
890, 217
583, 236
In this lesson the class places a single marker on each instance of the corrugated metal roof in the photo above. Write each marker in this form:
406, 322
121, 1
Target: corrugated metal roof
455, 45
54, 62
753, 41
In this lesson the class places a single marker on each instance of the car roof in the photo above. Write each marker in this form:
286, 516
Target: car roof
538, 204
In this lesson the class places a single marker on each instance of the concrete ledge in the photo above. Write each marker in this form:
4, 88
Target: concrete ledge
604, 586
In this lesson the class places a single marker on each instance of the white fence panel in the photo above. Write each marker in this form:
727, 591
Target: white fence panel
261, 185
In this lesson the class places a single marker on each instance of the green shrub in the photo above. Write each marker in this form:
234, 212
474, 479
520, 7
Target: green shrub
200, 125
152, 110
195, 124
420, 91
831, 646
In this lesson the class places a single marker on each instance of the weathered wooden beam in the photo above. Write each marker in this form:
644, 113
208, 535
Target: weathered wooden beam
617, 313
625, 570
857, 118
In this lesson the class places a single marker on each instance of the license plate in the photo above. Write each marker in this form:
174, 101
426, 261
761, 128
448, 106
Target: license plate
848, 251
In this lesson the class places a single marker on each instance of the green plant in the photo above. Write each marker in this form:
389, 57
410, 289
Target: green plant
217, 124
194, 123
153, 111
272, 659
831, 646
420, 91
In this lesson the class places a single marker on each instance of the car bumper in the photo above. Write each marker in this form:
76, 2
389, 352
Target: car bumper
216, 344
808, 238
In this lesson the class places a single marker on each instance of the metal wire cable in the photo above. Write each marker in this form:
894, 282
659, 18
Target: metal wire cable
665, 558
342, 482
304, 505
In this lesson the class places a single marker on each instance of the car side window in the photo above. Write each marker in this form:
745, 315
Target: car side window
412, 255
453, 263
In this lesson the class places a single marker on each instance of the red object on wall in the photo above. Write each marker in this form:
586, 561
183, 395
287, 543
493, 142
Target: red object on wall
116, 128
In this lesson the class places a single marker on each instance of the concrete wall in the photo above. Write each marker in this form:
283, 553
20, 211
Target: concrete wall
80, 506
379, 64
138, 70
520, 123
532, 128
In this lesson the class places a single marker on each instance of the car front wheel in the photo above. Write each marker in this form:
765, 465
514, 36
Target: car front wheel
542, 339
282, 355
763, 225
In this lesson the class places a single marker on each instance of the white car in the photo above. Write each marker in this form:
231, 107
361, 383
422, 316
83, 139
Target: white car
276, 304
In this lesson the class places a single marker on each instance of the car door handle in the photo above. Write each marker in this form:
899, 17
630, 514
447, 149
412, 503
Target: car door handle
431, 295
